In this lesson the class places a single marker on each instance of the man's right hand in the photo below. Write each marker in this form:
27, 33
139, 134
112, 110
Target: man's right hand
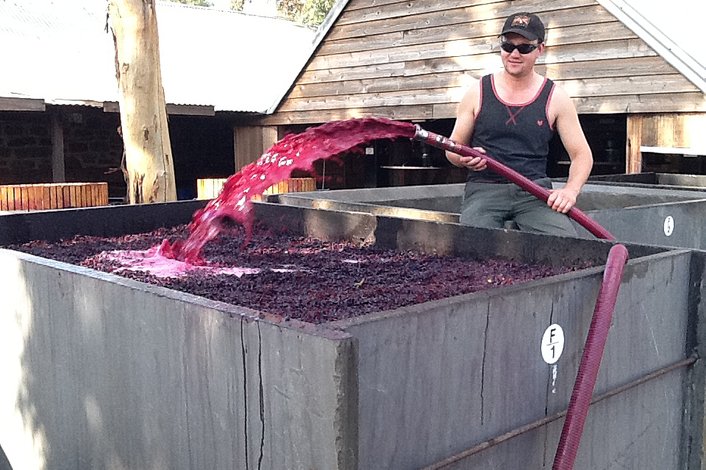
473, 163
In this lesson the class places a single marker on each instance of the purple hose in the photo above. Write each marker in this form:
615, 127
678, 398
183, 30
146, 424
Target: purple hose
602, 314
591, 360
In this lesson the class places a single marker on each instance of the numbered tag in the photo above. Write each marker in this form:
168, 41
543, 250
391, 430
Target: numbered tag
552, 344
668, 225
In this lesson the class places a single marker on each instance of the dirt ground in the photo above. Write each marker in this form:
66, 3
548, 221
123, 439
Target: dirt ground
302, 278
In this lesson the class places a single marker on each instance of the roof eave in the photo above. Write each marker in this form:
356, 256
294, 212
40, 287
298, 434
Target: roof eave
321, 33
19, 103
665, 47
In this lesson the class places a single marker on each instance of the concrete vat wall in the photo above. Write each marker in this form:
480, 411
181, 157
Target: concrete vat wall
654, 180
107, 372
643, 215
447, 197
438, 379
104, 372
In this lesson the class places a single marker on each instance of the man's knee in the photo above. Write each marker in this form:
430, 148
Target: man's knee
557, 224
474, 219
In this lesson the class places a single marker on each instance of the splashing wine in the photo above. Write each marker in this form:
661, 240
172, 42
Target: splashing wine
299, 152
293, 152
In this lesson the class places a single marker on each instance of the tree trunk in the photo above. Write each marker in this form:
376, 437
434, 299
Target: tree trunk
148, 155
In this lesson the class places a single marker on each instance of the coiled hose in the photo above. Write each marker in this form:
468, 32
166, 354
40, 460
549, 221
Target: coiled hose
602, 315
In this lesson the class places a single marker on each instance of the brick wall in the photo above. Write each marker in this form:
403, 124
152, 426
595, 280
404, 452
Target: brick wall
25, 148
202, 147
92, 147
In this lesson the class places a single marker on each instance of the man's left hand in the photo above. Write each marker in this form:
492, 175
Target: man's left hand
562, 200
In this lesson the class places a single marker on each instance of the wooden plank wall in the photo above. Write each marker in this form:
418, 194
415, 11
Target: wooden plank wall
413, 59
209, 188
251, 142
45, 196
666, 130
674, 130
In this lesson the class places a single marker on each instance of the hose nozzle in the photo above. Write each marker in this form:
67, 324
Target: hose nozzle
419, 133
433, 139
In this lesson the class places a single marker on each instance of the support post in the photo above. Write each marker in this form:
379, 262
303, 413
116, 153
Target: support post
634, 140
58, 169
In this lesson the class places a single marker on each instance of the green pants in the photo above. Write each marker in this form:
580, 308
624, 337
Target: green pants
491, 205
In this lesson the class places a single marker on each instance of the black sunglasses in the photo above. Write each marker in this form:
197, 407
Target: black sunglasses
523, 48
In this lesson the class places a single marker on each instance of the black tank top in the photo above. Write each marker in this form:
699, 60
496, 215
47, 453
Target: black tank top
516, 136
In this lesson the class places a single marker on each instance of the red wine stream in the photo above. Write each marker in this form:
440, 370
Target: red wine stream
293, 152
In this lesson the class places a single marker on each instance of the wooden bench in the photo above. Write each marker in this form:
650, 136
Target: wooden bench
44, 196
208, 188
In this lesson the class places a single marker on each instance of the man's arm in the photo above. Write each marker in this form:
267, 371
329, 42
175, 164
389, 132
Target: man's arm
569, 128
463, 129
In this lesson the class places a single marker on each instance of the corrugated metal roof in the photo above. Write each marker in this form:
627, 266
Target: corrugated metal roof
60, 52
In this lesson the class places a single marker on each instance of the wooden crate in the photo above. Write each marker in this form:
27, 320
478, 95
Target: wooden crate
208, 188
44, 196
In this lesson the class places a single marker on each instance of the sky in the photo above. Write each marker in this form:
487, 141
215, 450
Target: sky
264, 7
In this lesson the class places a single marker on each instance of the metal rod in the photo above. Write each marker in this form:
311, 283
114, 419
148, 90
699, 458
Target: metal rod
492, 442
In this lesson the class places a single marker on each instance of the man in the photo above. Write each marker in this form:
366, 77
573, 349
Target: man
512, 115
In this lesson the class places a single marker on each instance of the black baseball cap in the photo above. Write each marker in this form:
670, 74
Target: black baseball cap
525, 24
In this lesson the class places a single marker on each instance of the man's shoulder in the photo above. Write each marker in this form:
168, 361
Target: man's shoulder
558, 91
561, 102
473, 85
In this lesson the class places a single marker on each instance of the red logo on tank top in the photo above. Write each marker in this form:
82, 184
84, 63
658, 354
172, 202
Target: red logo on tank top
540, 122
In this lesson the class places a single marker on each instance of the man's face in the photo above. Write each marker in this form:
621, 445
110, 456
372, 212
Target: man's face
519, 54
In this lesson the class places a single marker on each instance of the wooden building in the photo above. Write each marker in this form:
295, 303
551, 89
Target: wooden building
640, 98
236, 83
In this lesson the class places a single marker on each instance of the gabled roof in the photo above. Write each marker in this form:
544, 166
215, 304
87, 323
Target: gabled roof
61, 53
673, 30
339, 43
670, 29
321, 33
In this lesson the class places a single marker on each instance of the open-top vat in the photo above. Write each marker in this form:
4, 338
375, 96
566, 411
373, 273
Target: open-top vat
671, 181
632, 214
106, 372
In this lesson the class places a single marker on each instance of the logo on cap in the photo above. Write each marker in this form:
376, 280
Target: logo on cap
521, 21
